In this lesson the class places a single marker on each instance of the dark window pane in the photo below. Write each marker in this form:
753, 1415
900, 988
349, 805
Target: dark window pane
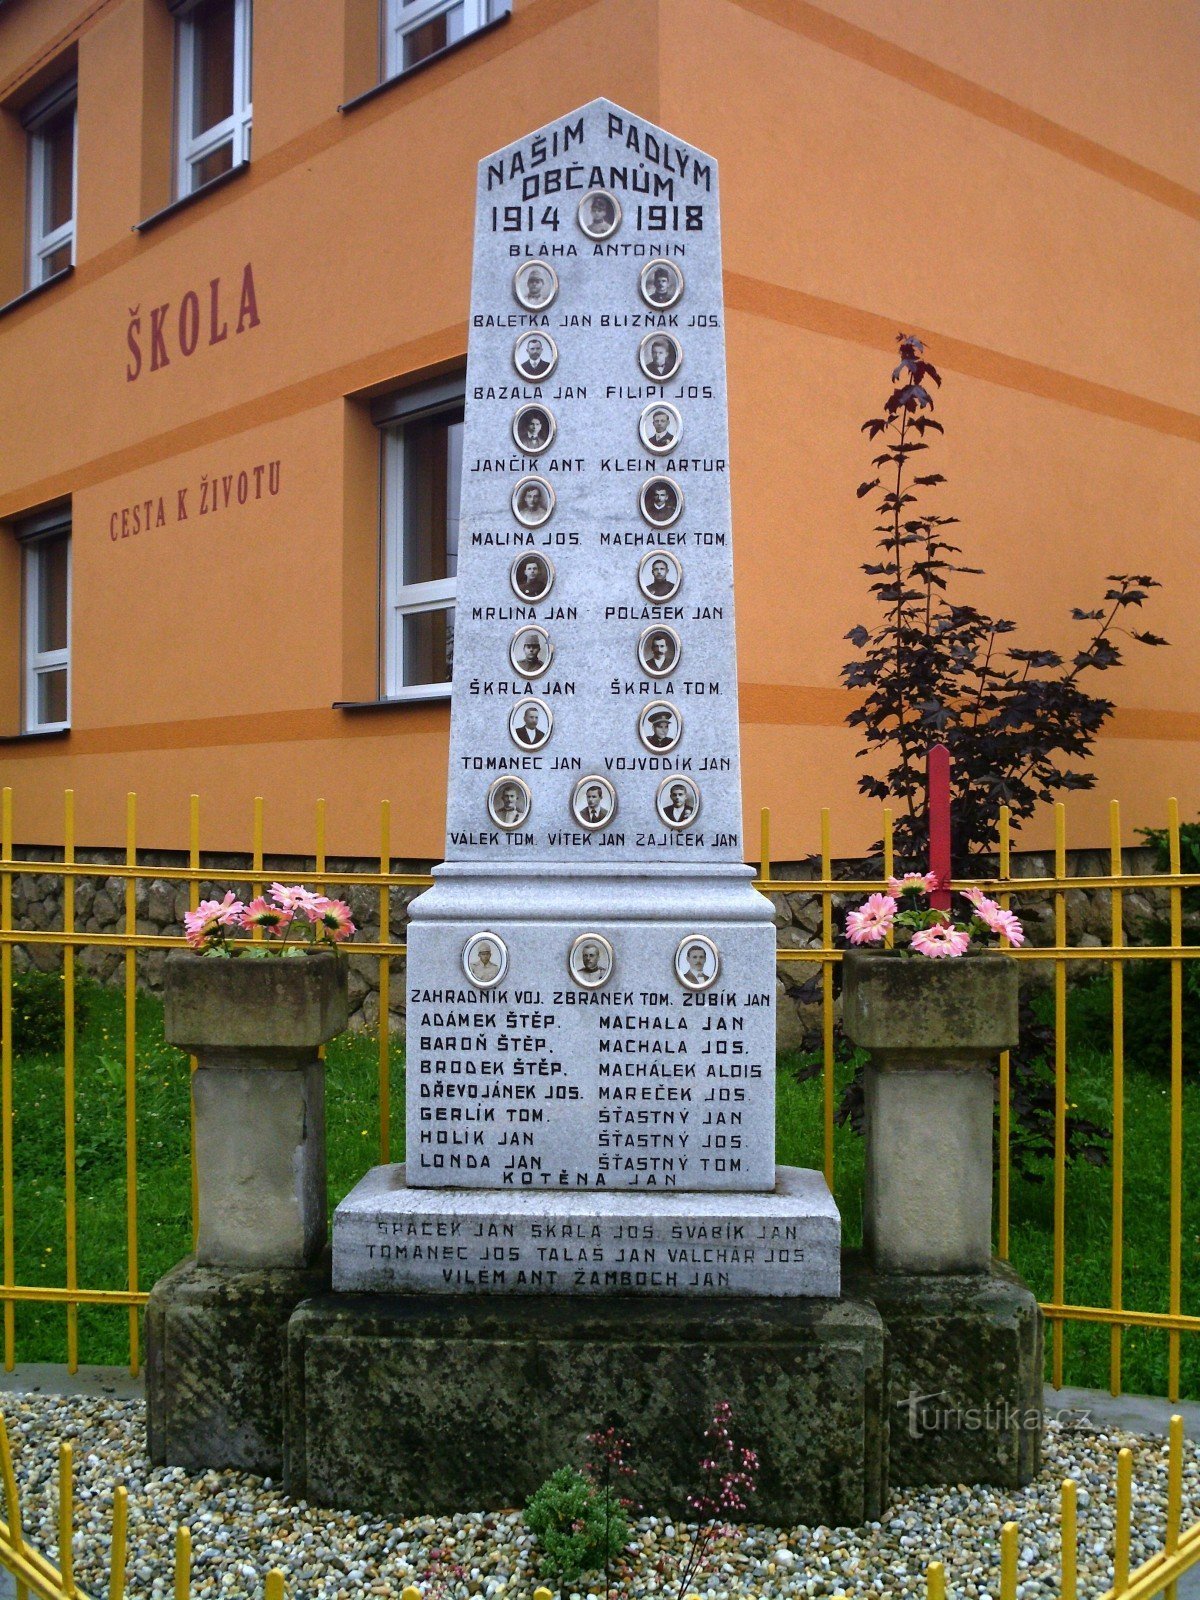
52, 696
435, 34
58, 199
58, 261
53, 558
212, 90
432, 485
213, 164
428, 646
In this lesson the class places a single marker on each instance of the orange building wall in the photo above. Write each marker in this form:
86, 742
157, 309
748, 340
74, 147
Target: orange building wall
982, 177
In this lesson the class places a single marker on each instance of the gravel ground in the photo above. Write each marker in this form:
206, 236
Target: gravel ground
243, 1526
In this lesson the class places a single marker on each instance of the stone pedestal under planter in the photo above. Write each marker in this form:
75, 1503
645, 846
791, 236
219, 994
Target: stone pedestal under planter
216, 1325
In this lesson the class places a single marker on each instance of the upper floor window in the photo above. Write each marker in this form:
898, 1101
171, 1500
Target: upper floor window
46, 562
415, 29
422, 471
50, 122
214, 106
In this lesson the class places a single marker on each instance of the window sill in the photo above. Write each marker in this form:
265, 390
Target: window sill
35, 735
415, 697
420, 66
185, 200
38, 288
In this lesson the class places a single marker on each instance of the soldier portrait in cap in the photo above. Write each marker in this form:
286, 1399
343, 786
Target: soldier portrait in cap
660, 427
535, 355
593, 802
677, 802
530, 724
660, 727
485, 959
661, 284
530, 651
660, 501
531, 575
590, 960
697, 961
658, 651
660, 356
532, 501
509, 802
535, 285
533, 429
599, 214
660, 576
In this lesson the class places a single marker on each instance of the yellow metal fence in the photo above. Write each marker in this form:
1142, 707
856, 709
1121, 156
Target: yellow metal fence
832, 892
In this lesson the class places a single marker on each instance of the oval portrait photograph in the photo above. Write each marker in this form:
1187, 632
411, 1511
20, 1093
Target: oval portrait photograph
535, 356
530, 651
660, 427
531, 575
599, 214
697, 961
532, 501
485, 959
660, 576
660, 356
509, 802
530, 724
677, 802
534, 428
590, 960
658, 651
535, 285
593, 802
660, 727
660, 283
660, 501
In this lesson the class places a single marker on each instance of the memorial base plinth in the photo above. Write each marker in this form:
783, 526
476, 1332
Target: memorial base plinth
964, 1373
408, 1404
216, 1341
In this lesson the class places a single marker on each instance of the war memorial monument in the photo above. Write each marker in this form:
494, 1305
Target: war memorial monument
590, 1227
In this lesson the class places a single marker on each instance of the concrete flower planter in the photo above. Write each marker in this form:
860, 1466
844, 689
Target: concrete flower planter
933, 1028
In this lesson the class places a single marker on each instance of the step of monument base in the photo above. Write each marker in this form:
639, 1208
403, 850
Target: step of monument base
390, 1236
414, 1404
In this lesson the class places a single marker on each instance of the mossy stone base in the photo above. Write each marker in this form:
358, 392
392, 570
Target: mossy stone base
964, 1373
216, 1340
413, 1404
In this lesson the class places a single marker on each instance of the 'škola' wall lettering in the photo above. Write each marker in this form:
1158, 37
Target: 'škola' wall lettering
201, 317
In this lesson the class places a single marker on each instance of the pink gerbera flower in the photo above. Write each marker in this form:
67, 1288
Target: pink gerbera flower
1008, 924
943, 939
333, 919
262, 914
295, 898
913, 883
210, 916
870, 923
979, 900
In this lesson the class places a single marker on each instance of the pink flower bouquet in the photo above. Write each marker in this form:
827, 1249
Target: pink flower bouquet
925, 929
293, 921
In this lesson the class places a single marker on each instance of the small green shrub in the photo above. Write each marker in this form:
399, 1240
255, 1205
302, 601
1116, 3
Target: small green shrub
39, 1008
579, 1526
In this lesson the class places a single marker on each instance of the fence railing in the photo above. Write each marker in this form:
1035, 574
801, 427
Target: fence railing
831, 891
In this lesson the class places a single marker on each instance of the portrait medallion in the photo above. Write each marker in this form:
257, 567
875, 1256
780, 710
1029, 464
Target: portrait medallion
533, 428
590, 960
530, 650
660, 427
697, 961
593, 802
660, 727
531, 576
660, 500
530, 724
660, 356
535, 355
658, 651
660, 284
659, 576
677, 801
509, 802
535, 285
599, 214
532, 500
484, 960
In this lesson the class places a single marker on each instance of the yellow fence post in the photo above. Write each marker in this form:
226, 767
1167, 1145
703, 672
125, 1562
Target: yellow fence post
1176, 1236
193, 902
131, 1195
1004, 1186
69, 1196
183, 1563
935, 1581
1008, 1561
119, 1546
1069, 1526
385, 986
1117, 1260
6, 1088
66, 1520
827, 990
274, 1589
1060, 1088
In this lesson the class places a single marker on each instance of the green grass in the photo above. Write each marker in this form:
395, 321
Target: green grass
163, 1187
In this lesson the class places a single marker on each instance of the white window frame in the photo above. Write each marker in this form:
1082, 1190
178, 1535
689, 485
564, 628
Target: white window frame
33, 535
45, 109
400, 20
192, 149
395, 414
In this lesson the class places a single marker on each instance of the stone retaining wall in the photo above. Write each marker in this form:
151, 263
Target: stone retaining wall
161, 902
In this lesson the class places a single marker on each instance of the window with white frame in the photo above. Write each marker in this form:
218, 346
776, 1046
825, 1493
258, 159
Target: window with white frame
422, 440
415, 29
214, 105
46, 561
51, 125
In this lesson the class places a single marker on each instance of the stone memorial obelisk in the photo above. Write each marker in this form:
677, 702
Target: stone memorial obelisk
591, 980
